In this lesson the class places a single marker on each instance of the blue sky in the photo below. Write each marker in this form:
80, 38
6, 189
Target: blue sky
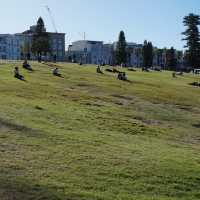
159, 21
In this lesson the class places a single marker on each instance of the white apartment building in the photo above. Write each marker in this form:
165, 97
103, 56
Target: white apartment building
96, 52
86, 51
9, 47
17, 46
134, 57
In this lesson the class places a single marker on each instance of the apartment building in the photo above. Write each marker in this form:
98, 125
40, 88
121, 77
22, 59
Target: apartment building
87, 51
17, 46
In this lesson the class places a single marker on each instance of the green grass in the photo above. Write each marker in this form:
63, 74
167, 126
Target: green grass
91, 137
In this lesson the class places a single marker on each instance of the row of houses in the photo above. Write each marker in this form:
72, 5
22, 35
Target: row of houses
96, 52
15, 46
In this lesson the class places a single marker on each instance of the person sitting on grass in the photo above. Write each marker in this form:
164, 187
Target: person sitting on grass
17, 74
99, 70
122, 76
27, 66
173, 75
56, 72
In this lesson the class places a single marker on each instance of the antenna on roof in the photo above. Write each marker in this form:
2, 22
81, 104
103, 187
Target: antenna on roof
51, 17
83, 35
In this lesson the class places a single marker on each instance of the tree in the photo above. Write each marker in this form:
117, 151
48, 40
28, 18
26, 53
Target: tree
171, 59
40, 44
147, 53
40, 27
192, 39
150, 54
121, 54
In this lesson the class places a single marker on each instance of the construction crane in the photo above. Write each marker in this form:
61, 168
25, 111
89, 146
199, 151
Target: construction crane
51, 17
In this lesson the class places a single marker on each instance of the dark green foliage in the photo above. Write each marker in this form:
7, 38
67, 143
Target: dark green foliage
40, 28
171, 59
121, 54
192, 38
150, 54
40, 45
147, 54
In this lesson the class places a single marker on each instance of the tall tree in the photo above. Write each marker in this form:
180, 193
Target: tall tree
150, 54
171, 59
40, 44
121, 54
147, 53
192, 38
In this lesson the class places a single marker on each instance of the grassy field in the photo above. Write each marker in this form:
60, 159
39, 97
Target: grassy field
89, 136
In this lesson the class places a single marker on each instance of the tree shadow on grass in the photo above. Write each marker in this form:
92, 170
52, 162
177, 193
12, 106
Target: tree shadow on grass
21, 129
21, 188
18, 189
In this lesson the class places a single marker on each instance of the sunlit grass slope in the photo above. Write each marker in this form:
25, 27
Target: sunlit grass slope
89, 136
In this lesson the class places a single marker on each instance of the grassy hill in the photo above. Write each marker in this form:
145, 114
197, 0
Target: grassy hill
91, 137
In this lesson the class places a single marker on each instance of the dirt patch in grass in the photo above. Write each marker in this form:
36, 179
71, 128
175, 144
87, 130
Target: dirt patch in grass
152, 122
97, 104
123, 97
83, 85
122, 100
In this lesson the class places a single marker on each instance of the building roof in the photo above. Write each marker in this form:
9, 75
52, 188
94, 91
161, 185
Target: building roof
88, 41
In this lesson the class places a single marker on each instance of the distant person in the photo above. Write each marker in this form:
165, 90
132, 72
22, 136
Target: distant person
124, 77
173, 75
119, 77
56, 72
55, 58
39, 58
99, 69
17, 74
27, 66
